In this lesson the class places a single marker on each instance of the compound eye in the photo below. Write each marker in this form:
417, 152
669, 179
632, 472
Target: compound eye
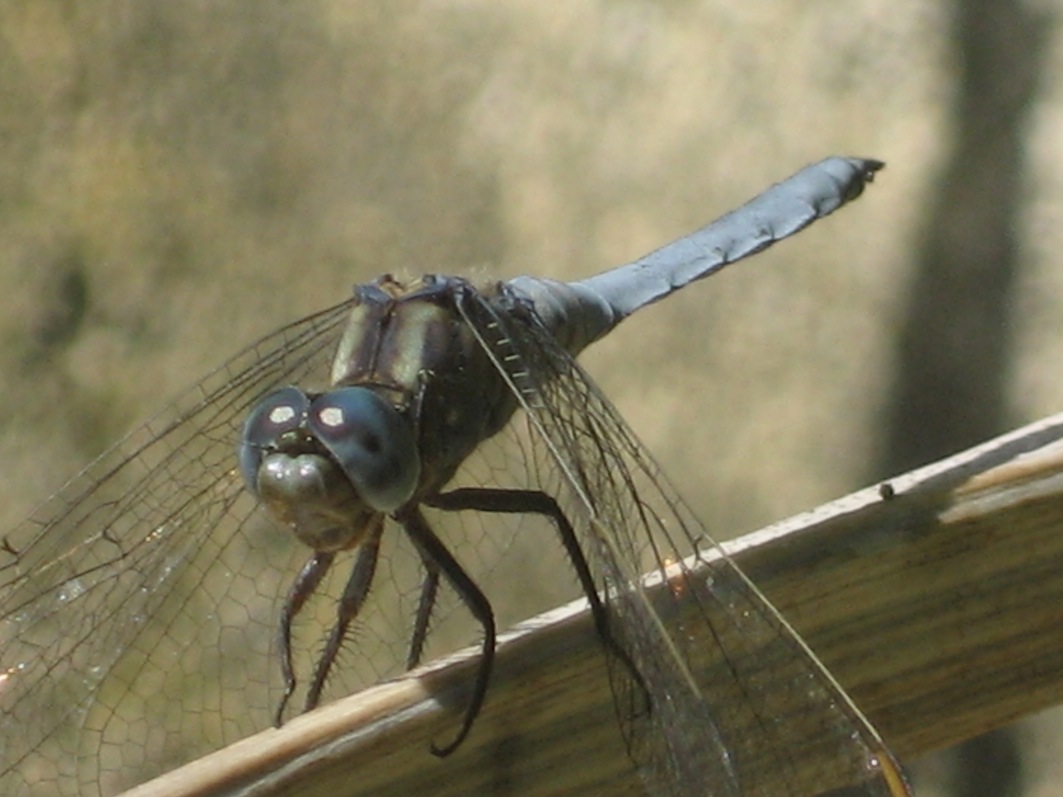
371, 441
280, 412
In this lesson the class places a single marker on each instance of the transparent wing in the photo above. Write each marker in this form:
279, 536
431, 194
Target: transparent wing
133, 602
732, 702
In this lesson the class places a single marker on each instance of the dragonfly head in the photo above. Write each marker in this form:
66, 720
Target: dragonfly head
327, 464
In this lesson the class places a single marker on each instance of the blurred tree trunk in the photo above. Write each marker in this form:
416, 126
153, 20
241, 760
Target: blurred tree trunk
953, 356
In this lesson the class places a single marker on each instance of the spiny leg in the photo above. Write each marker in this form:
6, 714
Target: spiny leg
539, 503
425, 606
303, 587
432, 549
354, 594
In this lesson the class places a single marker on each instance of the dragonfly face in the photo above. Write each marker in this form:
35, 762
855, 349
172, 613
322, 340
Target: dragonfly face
325, 465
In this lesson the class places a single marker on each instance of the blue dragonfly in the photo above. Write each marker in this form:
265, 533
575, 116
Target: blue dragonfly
209, 574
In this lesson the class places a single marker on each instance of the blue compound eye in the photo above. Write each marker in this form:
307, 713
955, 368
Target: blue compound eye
371, 441
278, 413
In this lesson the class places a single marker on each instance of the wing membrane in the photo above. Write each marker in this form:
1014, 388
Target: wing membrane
738, 705
119, 594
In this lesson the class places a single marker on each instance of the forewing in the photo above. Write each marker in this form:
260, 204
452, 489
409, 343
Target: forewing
727, 699
137, 604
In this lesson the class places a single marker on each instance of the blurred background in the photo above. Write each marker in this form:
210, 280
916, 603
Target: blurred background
179, 178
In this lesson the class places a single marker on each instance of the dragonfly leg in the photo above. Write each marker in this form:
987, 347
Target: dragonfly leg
430, 586
304, 586
540, 503
433, 550
350, 604
425, 606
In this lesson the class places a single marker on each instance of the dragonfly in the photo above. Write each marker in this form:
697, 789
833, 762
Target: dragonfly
297, 526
